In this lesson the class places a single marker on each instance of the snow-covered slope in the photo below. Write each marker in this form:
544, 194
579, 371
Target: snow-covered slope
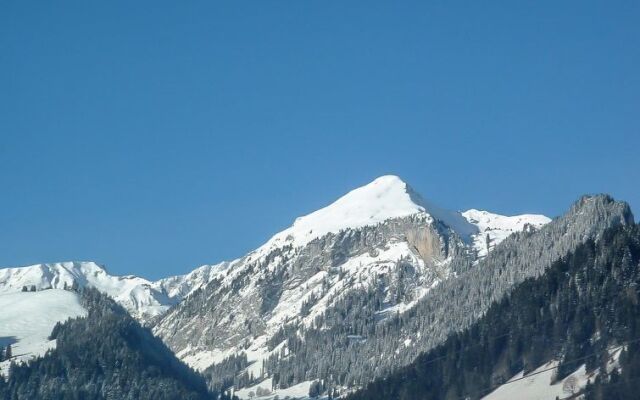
540, 385
494, 228
384, 198
387, 197
139, 296
305, 269
180, 286
382, 235
27, 318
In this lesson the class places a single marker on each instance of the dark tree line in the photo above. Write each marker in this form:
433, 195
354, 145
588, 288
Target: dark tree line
5, 353
105, 355
585, 304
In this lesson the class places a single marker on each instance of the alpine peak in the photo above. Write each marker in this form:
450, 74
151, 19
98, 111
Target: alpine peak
384, 198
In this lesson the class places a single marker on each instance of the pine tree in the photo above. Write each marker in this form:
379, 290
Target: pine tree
315, 389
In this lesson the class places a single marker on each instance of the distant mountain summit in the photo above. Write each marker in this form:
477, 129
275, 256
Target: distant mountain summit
143, 299
387, 197
140, 297
344, 295
382, 237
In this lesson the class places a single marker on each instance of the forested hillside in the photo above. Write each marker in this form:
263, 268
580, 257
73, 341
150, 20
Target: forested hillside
106, 355
349, 346
583, 306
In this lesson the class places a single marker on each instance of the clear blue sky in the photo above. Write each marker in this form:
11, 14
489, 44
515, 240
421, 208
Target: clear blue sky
157, 136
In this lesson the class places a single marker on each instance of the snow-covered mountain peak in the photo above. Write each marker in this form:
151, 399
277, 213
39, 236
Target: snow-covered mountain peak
136, 294
488, 220
494, 228
49, 276
385, 198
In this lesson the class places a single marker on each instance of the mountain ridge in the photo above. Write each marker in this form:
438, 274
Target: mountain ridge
382, 230
146, 299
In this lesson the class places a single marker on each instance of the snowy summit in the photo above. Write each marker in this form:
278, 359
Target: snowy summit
384, 198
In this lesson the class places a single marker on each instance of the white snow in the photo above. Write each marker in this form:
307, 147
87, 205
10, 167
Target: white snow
385, 198
299, 391
537, 384
27, 318
181, 286
134, 293
498, 227
202, 359
142, 298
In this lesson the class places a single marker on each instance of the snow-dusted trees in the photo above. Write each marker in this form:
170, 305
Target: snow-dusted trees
315, 389
5, 353
361, 332
583, 306
352, 344
105, 355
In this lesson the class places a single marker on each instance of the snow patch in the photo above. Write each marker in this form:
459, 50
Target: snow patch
27, 319
299, 391
181, 286
498, 227
537, 384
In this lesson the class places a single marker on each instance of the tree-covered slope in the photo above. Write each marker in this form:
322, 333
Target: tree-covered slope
349, 346
105, 355
584, 305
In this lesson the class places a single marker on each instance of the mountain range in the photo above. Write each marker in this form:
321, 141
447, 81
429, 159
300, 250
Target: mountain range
347, 295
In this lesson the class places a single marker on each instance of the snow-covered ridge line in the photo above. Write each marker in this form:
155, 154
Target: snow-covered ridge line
384, 199
142, 298
494, 228
180, 286
382, 235
137, 295
387, 197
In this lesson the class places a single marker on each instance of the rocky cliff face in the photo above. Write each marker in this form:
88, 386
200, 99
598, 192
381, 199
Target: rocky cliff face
323, 352
381, 247
335, 284
249, 300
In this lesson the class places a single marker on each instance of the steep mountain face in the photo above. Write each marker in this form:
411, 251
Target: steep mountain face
326, 352
347, 294
381, 246
569, 333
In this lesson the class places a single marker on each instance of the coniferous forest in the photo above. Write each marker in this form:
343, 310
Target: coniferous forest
585, 305
105, 355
